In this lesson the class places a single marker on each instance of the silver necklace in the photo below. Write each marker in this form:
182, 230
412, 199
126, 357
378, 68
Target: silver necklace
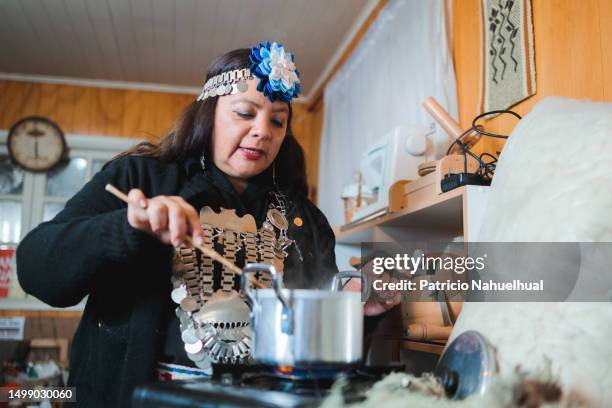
215, 325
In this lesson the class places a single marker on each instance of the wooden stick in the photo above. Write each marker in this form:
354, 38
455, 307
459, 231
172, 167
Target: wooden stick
205, 250
441, 116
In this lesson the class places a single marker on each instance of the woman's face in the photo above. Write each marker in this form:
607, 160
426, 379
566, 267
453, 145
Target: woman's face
247, 133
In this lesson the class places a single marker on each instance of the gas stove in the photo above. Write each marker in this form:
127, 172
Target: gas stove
261, 386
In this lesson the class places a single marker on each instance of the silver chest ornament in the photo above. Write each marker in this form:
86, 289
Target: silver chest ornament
215, 324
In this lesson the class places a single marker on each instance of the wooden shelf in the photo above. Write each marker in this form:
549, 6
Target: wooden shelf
425, 347
41, 313
35, 305
438, 211
425, 216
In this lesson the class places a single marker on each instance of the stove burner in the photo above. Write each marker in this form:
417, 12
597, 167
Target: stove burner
264, 386
239, 372
304, 386
312, 381
295, 374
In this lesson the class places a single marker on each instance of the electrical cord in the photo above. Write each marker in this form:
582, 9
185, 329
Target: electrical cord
458, 141
493, 112
486, 169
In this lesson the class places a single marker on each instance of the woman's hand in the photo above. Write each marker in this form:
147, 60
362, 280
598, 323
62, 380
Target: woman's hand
373, 306
169, 218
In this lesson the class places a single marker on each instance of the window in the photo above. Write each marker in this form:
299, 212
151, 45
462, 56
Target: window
11, 197
27, 198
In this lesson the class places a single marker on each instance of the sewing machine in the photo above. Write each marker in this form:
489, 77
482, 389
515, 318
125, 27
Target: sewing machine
395, 157
406, 153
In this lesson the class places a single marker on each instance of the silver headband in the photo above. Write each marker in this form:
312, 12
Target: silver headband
226, 83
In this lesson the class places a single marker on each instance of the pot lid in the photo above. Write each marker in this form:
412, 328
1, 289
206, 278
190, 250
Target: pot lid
467, 365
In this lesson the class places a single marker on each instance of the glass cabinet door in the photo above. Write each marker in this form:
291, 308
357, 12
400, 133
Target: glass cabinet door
28, 198
61, 184
11, 200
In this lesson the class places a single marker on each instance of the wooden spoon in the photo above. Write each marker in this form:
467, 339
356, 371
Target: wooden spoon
205, 250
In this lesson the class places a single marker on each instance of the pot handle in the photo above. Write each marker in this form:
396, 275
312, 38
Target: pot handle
277, 283
337, 280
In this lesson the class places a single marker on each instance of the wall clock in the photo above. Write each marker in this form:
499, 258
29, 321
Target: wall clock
36, 144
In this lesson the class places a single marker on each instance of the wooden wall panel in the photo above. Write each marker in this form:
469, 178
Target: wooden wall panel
17, 98
126, 113
573, 55
573, 44
605, 24
110, 105
92, 111
168, 108
139, 115
65, 106
98, 105
81, 105
568, 41
316, 130
306, 126
47, 99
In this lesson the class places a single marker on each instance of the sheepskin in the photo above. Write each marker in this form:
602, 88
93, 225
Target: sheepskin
553, 184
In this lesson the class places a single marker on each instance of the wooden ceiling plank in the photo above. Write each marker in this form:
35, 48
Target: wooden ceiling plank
121, 19
249, 24
48, 52
271, 29
12, 47
239, 14
184, 27
294, 34
144, 33
23, 36
167, 42
86, 37
204, 31
67, 42
225, 17
163, 15
100, 18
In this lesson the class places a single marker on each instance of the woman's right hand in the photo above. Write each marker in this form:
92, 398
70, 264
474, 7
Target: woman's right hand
169, 218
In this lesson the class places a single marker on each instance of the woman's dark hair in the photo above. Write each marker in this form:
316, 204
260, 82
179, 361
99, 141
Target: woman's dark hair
192, 133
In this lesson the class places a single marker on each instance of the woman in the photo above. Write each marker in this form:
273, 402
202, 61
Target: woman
232, 148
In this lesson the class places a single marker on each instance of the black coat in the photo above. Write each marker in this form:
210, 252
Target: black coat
90, 249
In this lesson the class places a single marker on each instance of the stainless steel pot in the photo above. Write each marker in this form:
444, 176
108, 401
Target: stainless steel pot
304, 327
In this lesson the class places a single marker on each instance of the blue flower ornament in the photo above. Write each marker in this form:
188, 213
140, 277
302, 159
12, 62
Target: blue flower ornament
273, 66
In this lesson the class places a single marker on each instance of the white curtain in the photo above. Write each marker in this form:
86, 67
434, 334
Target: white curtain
401, 60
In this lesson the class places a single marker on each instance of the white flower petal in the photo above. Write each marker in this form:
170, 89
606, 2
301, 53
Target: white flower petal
282, 67
276, 73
